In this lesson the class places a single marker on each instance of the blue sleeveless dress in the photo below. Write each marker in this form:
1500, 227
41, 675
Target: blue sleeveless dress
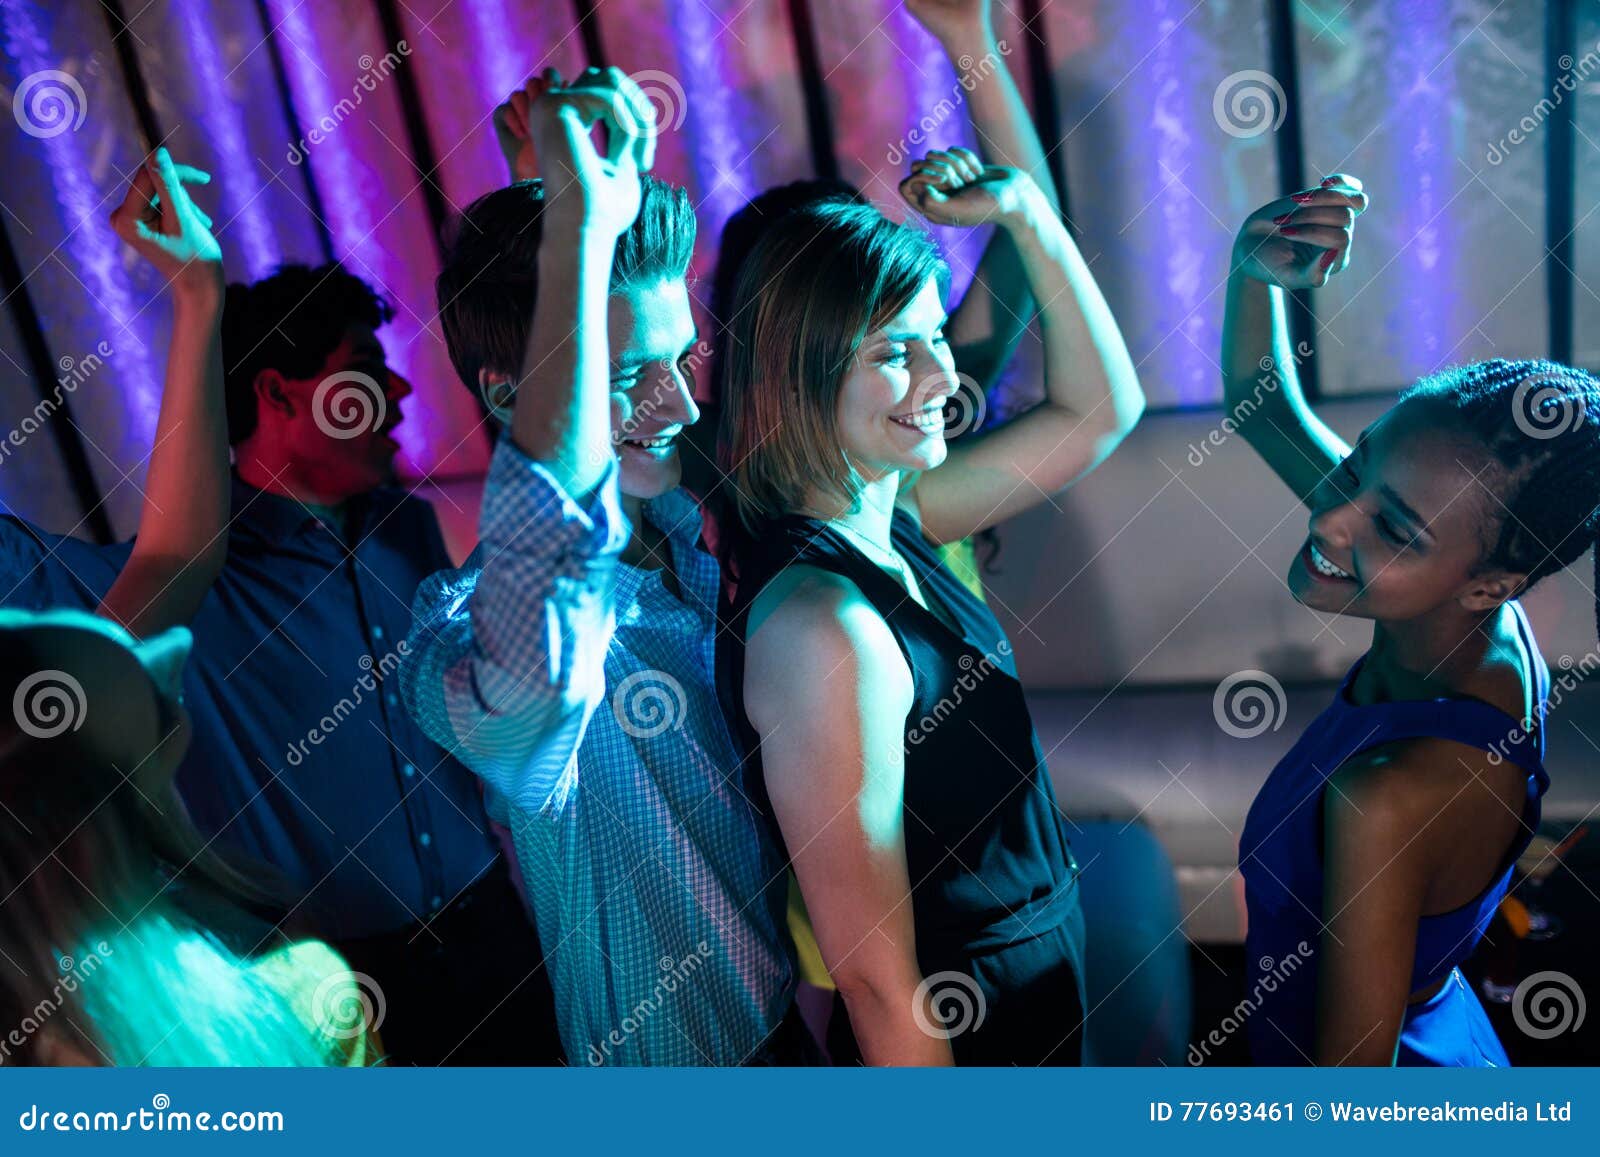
1280, 858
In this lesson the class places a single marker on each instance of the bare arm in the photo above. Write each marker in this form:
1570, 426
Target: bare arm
1092, 395
1295, 242
994, 312
183, 525
828, 691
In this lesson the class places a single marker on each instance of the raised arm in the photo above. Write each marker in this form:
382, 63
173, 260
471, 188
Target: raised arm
985, 327
182, 540
828, 692
1092, 395
506, 663
1295, 242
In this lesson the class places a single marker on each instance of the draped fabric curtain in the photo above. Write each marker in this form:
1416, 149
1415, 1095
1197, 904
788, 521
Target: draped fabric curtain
353, 128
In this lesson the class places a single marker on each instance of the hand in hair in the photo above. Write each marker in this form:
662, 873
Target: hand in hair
585, 189
954, 187
162, 224
511, 129
1301, 240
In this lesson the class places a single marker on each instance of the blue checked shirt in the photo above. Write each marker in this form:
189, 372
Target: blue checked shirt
582, 691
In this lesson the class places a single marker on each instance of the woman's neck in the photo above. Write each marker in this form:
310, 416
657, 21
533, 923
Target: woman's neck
872, 516
1441, 651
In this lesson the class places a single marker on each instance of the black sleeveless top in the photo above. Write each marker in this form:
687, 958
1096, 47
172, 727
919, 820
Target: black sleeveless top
985, 842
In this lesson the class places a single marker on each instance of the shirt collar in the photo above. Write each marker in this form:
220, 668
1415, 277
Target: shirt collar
275, 517
677, 515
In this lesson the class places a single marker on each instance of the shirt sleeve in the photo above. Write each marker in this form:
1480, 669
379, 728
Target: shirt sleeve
505, 663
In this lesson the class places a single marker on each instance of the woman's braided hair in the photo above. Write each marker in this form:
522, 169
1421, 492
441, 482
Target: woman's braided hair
1540, 421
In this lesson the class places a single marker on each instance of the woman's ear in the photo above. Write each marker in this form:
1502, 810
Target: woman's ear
498, 394
1484, 592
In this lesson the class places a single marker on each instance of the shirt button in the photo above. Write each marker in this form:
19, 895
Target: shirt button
377, 632
424, 839
408, 770
436, 903
389, 698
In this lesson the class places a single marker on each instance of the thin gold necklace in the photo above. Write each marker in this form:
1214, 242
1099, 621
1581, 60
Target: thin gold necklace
889, 559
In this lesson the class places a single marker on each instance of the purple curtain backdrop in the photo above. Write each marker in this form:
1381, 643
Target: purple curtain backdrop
1405, 94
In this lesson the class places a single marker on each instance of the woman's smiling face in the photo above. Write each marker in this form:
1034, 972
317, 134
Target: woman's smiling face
1403, 525
891, 403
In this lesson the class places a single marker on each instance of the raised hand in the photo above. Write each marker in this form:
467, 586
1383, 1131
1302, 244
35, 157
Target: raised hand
1301, 240
511, 128
160, 222
955, 187
585, 188
953, 21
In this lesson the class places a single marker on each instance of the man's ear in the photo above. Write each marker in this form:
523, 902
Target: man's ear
1484, 592
271, 394
498, 393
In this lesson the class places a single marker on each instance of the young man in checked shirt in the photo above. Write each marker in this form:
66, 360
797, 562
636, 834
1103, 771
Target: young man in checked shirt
569, 663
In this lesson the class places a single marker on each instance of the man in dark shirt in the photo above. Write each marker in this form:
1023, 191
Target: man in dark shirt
303, 757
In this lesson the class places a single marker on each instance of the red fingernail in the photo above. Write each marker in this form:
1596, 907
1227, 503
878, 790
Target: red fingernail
1288, 229
1328, 258
1301, 198
1281, 220
1326, 181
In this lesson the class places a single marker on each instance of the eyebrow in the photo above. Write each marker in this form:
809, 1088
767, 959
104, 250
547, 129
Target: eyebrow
910, 335
1404, 508
632, 358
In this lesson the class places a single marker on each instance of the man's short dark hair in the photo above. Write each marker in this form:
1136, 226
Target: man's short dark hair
487, 287
289, 322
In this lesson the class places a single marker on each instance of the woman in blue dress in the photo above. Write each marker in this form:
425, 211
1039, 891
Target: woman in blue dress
1378, 849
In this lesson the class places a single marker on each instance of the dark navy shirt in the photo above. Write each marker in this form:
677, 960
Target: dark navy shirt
303, 755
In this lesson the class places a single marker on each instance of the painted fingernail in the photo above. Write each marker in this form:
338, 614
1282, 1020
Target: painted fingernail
1288, 229
1301, 198
1282, 219
1326, 181
1328, 258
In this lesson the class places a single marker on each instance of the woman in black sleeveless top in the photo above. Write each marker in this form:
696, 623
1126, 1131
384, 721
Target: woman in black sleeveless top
890, 743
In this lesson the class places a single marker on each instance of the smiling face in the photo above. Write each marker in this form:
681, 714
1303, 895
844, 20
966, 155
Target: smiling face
891, 402
652, 336
1402, 526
